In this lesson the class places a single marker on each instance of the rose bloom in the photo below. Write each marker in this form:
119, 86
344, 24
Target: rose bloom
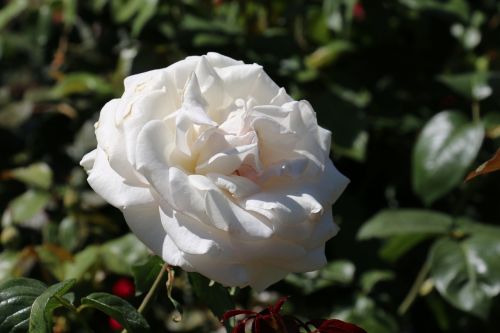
218, 170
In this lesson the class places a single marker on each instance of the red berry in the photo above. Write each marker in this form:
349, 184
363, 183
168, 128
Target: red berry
114, 325
124, 288
358, 12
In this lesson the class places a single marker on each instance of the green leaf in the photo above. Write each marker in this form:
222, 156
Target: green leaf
328, 54
397, 246
8, 263
368, 315
11, 11
145, 273
371, 278
467, 272
69, 234
146, 12
45, 304
472, 86
119, 309
79, 83
28, 204
118, 255
82, 263
444, 151
69, 12
405, 221
338, 272
16, 298
14, 114
38, 174
215, 296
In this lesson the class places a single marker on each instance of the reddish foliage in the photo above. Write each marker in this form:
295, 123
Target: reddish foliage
270, 320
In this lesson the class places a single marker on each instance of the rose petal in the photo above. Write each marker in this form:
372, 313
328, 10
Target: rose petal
112, 187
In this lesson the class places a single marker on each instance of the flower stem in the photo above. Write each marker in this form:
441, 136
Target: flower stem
151, 292
412, 294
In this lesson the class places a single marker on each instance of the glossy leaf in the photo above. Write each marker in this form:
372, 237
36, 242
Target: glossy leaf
45, 304
444, 151
38, 175
16, 299
467, 272
119, 309
405, 221
338, 272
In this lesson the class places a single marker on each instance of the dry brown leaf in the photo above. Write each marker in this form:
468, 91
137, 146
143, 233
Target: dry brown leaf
493, 164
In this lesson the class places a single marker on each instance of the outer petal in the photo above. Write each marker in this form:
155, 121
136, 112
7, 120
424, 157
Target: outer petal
112, 187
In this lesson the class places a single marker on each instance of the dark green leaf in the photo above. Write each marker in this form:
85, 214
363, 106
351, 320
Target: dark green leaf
44, 305
368, 315
444, 151
371, 278
467, 272
16, 298
473, 86
397, 246
119, 309
215, 296
146, 273
405, 221
38, 174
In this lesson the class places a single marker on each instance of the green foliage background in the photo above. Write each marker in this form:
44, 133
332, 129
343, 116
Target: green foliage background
409, 88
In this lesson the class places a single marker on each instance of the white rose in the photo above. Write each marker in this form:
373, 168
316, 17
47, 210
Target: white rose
218, 170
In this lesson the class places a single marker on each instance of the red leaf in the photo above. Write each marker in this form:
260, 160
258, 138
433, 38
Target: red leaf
336, 326
240, 327
235, 312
